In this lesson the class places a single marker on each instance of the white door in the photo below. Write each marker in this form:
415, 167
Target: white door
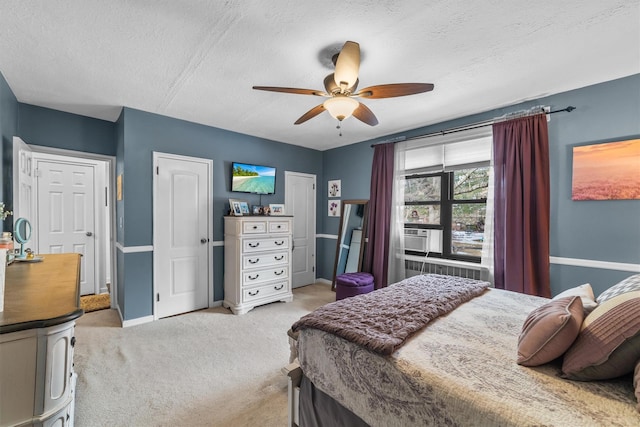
181, 234
65, 207
22, 180
300, 201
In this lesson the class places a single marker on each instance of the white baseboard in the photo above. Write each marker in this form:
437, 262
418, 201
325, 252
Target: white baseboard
134, 322
216, 304
325, 281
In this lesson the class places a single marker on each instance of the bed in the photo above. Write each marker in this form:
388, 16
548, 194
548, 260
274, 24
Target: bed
458, 370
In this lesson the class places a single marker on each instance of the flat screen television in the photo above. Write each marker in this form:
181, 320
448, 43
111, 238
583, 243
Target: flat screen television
247, 178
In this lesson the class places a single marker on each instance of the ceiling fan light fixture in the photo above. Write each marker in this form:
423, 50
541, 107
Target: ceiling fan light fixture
340, 107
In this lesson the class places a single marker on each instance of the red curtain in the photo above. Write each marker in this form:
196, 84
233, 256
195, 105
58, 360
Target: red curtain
379, 221
521, 216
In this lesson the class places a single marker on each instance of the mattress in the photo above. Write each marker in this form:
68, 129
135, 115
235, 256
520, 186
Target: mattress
461, 370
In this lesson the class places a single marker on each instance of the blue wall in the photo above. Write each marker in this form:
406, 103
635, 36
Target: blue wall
8, 123
589, 230
142, 134
52, 128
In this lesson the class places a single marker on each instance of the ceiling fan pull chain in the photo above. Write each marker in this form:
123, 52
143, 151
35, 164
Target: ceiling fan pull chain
339, 128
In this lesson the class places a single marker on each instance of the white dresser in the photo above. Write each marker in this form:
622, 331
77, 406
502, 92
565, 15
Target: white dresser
257, 261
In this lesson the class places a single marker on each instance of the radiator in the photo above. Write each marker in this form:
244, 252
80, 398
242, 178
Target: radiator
447, 267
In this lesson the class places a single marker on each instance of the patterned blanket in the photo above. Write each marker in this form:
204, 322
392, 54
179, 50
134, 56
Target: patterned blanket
381, 321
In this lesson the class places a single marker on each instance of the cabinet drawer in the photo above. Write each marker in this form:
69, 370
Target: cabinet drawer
258, 260
265, 244
250, 278
264, 291
254, 227
278, 226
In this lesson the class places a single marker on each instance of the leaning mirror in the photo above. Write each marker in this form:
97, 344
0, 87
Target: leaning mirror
351, 238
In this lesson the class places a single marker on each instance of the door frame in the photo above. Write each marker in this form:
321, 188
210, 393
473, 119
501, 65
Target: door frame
156, 260
288, 201
105, 248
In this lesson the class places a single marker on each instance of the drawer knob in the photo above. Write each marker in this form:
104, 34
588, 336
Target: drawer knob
279, 226
251, 261
277, 288
254, 245
279, 243
278, 273
253, 294
255, 227
73, 341
254, 278
280, 258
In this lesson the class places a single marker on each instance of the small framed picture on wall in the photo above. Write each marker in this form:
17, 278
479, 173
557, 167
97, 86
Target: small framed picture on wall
335, 189
334, 208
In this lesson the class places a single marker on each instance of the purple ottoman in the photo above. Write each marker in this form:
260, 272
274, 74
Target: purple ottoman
352, 284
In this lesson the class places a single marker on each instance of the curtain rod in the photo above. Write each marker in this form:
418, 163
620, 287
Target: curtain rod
477, 125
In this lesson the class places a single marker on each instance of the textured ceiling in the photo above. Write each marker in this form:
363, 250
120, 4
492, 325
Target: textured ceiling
197, 60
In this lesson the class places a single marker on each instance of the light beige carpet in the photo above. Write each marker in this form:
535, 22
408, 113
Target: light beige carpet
206, 368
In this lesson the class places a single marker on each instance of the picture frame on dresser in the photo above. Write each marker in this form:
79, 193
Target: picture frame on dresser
276, 209
235, 207
244, 207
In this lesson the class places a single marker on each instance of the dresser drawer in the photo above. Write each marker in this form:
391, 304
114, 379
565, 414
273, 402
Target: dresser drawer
254, 227
278, 226
265, 291
250, 278
265, 244
259, 260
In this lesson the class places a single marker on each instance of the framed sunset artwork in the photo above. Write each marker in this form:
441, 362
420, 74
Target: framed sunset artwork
606, 171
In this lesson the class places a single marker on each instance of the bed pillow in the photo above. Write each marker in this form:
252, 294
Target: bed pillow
636, 384
630, 284
549, 331
585, 292
608, 345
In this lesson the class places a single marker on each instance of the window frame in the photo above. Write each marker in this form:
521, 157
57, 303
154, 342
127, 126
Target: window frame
446, 203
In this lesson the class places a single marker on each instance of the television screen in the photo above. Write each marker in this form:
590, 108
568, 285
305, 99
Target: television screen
246, 178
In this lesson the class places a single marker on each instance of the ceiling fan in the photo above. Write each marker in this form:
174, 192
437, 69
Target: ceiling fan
341, 86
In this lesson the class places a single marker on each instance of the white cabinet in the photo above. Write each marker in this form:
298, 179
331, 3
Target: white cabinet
36, 376
257, 261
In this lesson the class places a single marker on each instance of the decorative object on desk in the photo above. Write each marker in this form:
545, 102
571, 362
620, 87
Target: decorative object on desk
236, 209
3, 270
6, 242
257, 210
22, 230
266, 210
334, 207
244, 207
606, 171
335, 188
276, 208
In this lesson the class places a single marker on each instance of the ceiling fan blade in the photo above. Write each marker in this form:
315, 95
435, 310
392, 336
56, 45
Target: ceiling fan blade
291, 90
310, 114
364, 114
393, 90
348, 65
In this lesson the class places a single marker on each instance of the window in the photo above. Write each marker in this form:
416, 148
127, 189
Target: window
445, 190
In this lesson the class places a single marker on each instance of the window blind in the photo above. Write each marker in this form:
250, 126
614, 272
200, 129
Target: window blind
449, 152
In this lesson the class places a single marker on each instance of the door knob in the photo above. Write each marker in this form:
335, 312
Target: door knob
203, 240
89, 233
